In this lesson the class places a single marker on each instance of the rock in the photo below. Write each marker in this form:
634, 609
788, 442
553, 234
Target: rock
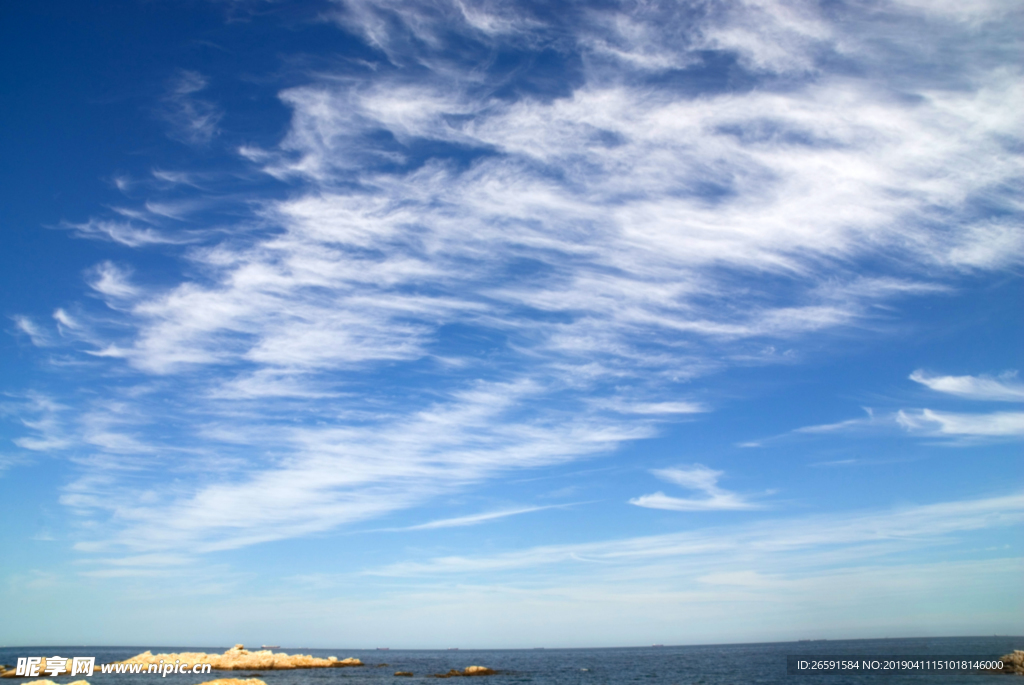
468, 671
407, 674
477, 670
238, 658
1013, 662
450, 674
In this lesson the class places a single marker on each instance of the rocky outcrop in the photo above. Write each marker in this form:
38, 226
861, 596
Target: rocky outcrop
238, 658
478, 670
467, 671
407, 674
1013, 662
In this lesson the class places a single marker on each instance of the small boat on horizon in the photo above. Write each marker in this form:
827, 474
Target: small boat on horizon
270, 646
453, 649
383, 649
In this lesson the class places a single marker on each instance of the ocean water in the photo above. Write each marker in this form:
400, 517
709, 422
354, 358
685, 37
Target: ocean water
685, 665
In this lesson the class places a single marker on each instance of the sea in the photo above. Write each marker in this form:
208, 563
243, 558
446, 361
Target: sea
731, 664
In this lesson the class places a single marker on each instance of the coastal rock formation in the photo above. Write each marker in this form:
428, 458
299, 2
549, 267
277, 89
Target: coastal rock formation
1013, 662
404, 673
478, 670
238, 658
467, 671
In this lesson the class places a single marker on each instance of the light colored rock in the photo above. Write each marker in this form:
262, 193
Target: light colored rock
238, 658
477, 670
407, 674
1013, 662
468, 671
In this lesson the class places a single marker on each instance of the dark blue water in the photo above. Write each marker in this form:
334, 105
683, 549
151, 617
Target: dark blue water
690, 665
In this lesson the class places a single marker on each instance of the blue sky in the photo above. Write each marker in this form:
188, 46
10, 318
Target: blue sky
515, 324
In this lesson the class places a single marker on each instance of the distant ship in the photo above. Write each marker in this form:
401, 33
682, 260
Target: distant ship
657, 645
383, 649
453, 649
270, 646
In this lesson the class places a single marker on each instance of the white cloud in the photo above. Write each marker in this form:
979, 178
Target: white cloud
335, 475
928, 422
840, 426
65, 320
124, 233
192, 119
697, 477
113, 282
596, 245
1004, 388
655, 408
474, 519
995, 424
772, 36
869, 422
35, 333
43, 417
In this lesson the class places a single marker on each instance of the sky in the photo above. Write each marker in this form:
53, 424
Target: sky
438, 323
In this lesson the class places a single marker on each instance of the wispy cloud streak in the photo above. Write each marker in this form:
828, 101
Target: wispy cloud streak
1004, 388
964, 428
895, 530
475, 519
996, 424
192, 119
697, 477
